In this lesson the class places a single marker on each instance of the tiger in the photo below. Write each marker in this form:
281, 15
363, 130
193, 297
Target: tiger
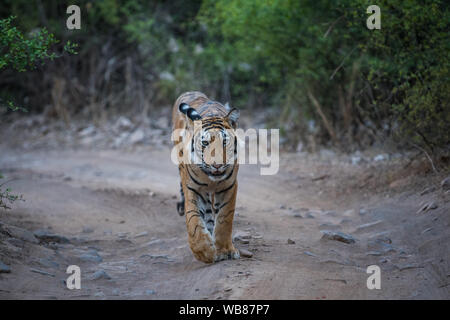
208, 189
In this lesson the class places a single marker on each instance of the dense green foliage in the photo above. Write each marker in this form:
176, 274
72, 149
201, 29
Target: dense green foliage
323, 76
21, 52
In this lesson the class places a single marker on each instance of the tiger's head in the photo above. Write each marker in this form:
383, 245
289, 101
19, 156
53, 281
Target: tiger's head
212, 144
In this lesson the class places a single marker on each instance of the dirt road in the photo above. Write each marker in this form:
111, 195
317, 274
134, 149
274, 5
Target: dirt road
114, 214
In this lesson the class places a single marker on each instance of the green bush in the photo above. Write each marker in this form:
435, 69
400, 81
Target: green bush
314, 65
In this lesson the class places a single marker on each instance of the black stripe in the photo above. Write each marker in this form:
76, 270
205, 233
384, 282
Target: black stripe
222, 205
227, 177
222, 218
194, 215
226, 189
195, 181
197, 193
195, 230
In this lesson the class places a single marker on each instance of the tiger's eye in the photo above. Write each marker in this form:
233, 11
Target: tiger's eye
205, 143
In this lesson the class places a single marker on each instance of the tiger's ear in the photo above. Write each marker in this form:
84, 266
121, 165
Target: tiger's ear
233, 117
191, 113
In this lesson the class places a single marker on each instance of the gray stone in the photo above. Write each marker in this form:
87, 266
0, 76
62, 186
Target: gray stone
100, 274
428, 190
309, 215
337, 236
87, 230
137, 136
88, 257
380, 157
18, 233
45, 236
363, 212
308, 253
48, 263
242, 235
142, 234
4, 268
150, 292
123, 123
428, 206
245, 253
243, 241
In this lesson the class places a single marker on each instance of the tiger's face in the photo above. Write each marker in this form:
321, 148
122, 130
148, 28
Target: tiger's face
213, 147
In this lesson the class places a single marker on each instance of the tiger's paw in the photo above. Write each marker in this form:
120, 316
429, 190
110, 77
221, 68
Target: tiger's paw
227, 254
203, 248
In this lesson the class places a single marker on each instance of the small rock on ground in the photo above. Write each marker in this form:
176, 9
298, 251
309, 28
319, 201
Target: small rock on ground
46, 236
245, 253
445, 184
428, 206
337, 236
18, 233
100, 274
4, 268
290, 241
91, 257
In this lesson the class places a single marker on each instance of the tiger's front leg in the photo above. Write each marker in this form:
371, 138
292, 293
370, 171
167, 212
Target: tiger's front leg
200, 240
225, 203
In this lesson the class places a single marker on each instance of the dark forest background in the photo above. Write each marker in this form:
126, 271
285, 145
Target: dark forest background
313, 67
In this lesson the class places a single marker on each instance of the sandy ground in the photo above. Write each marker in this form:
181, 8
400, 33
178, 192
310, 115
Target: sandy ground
117, 209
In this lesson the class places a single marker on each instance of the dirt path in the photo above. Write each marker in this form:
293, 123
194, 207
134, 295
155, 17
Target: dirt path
117, 209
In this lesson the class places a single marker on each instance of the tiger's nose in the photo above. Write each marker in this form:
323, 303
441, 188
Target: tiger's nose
216, 166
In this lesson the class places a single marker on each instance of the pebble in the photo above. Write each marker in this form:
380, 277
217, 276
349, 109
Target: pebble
428, 190
243, 241
48, 263
363, 212
142, 234
428, 206
349, 213
337, 236
87, 230
46, 236
242, 235
150, 292
245, 253
445, 184
18, 233
309, 215
308, 253
100, 274
290, 241
4, 268
91, 257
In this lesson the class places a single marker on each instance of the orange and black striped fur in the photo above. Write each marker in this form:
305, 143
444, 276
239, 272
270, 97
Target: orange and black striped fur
208, 188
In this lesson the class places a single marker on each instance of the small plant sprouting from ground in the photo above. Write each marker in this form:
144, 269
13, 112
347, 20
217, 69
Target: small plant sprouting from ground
6, 197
